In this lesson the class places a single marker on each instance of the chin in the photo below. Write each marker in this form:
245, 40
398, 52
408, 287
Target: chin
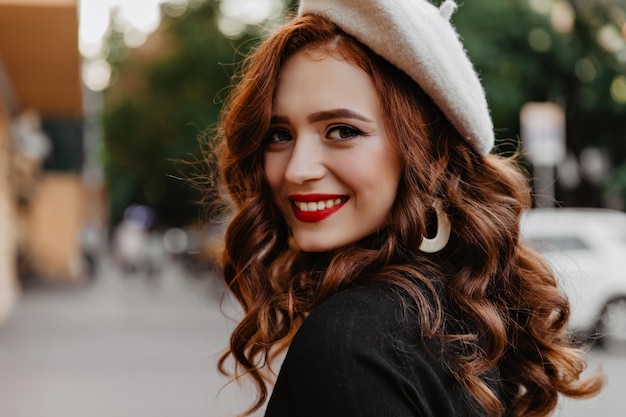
310, 245
315, 245
313, 248
323, 243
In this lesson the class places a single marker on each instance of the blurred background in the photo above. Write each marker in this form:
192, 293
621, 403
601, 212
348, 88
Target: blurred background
106, 107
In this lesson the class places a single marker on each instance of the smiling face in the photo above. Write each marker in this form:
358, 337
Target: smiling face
330, 166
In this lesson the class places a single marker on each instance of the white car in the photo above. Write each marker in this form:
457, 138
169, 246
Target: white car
587, 250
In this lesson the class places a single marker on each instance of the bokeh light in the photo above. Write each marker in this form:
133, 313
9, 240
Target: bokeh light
136, 19
618, 89
96, 74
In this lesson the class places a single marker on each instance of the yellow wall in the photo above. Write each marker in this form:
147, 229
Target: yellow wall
39, 49
8, 236
55, 221
41, 61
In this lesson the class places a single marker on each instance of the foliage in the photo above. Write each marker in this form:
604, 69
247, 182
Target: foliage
571, 69
166, 94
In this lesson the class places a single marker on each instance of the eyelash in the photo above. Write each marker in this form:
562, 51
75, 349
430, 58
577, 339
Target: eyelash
351, 131
271, 136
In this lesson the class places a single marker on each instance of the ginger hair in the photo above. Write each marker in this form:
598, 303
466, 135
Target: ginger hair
513, 316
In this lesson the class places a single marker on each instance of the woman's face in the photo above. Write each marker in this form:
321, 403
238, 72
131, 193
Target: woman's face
331, 168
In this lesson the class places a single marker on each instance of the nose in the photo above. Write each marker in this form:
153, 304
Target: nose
306, 162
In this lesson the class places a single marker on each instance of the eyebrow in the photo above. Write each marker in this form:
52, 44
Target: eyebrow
337, 114
325, 115
279, 120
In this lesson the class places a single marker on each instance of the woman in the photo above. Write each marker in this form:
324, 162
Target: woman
374, 237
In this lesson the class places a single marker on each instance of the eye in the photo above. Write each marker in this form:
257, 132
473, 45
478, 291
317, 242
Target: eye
342, 132
276, 136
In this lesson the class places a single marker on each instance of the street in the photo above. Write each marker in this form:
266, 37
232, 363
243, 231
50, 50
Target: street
124, 346
133, 345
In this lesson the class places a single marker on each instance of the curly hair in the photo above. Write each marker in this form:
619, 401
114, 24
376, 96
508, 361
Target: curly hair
502, 297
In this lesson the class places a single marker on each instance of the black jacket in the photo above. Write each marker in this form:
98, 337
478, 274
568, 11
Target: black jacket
360, 354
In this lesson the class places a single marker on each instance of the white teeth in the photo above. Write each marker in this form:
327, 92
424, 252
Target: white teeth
319, 205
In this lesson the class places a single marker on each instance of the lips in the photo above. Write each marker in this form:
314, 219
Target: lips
316, 207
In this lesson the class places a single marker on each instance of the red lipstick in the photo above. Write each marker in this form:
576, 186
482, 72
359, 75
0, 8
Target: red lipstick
315, 215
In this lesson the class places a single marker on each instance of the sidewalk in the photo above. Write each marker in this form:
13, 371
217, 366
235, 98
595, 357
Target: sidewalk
127, 346
123, 346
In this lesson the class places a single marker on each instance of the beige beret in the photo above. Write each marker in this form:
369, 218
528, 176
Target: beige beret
418, 38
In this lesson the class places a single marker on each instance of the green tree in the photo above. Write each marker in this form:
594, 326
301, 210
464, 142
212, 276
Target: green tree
169, 91
164, 95
523, 54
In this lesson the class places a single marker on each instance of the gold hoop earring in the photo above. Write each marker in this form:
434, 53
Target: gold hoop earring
440, 240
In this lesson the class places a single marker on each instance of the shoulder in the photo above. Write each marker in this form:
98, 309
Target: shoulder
362, 300
361, 352
361, 310
368, 321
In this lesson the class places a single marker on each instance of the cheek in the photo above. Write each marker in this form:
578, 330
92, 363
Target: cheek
391, 165
274, 171
378, 171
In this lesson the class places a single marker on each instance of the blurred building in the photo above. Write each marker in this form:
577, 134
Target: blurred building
43, 198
